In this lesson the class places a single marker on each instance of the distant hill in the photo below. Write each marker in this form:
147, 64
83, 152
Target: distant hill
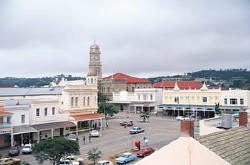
233, 78
34, 82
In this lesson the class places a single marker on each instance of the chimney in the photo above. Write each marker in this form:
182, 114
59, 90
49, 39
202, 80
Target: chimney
187, 127
243, 119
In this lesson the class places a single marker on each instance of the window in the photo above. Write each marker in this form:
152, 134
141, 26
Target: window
193, 97
72, 101
108, 89
45, 111
53, 110
145, 97
204, 99
241, 101
88, 101
84, 101
176, 99
151, 97
37, 112
133, 89
225, 101
139, 97
8, 119
233, 101
76, 101
23, 118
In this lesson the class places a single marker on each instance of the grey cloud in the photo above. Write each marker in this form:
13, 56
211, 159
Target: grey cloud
136, 37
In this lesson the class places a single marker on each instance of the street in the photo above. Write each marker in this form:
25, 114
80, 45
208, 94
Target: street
116, 139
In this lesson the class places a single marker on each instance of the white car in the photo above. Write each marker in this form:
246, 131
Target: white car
72, 137
104, 162
65, 162
27, 149
94, 133
74, 160
179, 118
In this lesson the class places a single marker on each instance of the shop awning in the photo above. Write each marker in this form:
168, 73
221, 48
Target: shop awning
23, 129
88, 117
54, 125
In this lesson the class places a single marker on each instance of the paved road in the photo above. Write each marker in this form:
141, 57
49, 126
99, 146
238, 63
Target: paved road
116, 139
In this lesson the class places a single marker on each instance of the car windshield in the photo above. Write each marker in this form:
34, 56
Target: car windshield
136, 128
71, 136
125, 156
94, 131
26, 147
143, 149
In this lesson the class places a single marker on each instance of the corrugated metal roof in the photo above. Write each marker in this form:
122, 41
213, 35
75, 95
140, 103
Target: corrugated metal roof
23, 129
54, 125
30, 91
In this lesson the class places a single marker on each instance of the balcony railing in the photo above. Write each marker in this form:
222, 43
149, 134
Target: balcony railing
5, 125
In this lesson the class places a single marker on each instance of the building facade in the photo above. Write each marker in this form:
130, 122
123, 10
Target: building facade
121, 82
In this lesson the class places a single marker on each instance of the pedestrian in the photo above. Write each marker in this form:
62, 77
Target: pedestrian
107, 124
89, 138
83, 139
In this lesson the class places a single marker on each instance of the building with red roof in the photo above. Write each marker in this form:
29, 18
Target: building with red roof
181, 84
121, 82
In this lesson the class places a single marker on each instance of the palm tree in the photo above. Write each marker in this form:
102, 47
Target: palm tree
94, 155
145, 116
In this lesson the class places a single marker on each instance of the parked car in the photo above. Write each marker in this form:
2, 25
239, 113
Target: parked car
94, 133
145, 151
135, 130
125, 158
179, 118
72, 137
14, 151
129, 124
65, 162
10, 161
104, 162
74, 160
27, 149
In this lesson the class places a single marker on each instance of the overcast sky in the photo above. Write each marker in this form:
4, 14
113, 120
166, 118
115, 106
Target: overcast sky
138, 37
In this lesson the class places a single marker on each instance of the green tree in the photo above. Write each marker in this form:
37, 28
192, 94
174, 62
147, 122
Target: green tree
145, 116
107, 109
55, 149
102, 98
217, 108
94, 155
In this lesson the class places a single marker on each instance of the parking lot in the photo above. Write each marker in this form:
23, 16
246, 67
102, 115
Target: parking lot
116, 139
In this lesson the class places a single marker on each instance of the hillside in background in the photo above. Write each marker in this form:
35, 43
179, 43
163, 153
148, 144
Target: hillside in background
34, 82
231, 78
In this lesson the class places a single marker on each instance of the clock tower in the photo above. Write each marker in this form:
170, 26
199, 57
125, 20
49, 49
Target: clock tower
95, 66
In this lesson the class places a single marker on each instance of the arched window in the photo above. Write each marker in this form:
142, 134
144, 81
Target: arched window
72, 101
88, 101
84, 101
91, 80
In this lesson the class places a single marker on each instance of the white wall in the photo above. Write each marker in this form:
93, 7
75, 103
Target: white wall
16, 119
238, 94
50, 117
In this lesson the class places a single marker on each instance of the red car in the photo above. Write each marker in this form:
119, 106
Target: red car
145, 151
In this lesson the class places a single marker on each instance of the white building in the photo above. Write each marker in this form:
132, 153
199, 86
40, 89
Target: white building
143, 99
234, 100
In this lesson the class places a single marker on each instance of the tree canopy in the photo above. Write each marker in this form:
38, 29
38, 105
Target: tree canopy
94, 155
55, 149
107, 109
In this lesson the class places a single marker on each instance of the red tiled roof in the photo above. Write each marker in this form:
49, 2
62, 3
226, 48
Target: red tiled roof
7, 86
88, 116
5, 113
223, 89
129, 79
181, 84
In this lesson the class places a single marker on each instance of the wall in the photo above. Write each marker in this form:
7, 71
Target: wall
191, 96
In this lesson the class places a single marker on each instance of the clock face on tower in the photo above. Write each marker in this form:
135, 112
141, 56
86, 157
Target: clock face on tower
96, 57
